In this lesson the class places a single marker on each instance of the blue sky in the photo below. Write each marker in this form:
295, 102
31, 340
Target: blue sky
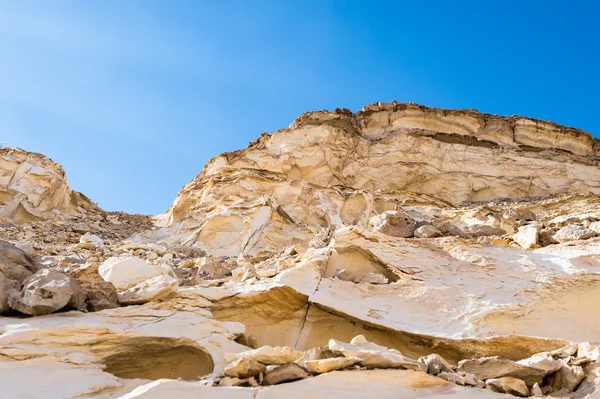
134, 97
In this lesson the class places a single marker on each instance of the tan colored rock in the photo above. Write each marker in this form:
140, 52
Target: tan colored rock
527, 236
268, 355
568, 378
244, 368
427, 231
436, 364
99, 294
536, 390
494, 367
150, 290
393, 223
47, 291
572, 232
510, 385
452, 377
327, 365
374, 356
33, 187
285, 373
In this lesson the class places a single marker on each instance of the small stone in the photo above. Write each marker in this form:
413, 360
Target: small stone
510, 385
318, 353
536, 390
286, 373
470, 379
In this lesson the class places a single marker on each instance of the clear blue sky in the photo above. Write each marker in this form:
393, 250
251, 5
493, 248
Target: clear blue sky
134, 97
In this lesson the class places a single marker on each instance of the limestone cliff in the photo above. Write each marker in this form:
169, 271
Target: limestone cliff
415, 251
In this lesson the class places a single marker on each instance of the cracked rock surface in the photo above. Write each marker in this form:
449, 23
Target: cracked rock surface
415, 251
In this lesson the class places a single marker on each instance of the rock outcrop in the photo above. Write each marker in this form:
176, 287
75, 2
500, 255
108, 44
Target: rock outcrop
33, 187
401, 251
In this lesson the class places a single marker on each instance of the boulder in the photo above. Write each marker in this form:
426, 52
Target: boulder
15, 263
99, 294
285, 373
427, 231
8, 289
327, 365
152, 289
48, 291
268, 355
125, 272
494, 367
542, 362
373, 355
436, 364
510, 385
527, 236
393, 223
572, 232
244, 368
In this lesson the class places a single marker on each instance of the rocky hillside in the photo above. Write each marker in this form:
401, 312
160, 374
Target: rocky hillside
415, 251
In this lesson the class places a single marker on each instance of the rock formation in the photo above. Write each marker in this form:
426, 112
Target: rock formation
411, 250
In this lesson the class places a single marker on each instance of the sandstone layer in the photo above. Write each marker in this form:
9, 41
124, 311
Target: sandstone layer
415, 251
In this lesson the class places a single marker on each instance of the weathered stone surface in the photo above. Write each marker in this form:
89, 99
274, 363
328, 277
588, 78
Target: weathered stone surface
149, 290
15, 263
572, 232
259, 235
536, 390
513, 386
285, 373
34, 187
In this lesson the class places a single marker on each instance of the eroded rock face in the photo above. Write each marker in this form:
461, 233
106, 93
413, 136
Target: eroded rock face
413, 251
34, 187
